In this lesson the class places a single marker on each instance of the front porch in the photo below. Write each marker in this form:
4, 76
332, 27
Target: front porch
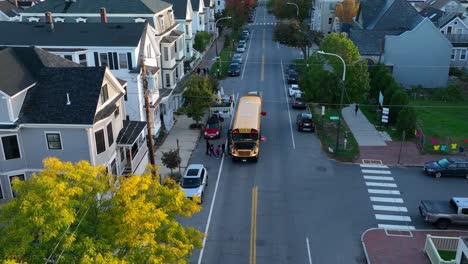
132, 148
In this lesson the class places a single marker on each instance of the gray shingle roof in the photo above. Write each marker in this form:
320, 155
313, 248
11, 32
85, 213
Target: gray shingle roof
46, 103
179, 7
370, 42
94, 6
388, 15
20, 67
195, 4
71, 34
7, 8
433, 14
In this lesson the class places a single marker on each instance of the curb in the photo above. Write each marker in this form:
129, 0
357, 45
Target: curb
364, 245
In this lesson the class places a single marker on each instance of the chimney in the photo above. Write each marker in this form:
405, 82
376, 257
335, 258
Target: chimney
103, 15
68, 99
49, 20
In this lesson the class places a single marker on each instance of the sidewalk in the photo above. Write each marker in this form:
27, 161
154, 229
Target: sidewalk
187, 137
375, 145
399, 247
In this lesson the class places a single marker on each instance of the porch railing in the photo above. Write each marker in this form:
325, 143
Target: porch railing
436, 243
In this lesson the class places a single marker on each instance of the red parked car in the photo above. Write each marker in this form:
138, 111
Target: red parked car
213, 127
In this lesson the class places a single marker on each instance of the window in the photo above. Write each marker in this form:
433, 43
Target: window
459, 31
175, 45
11, 147
113, 166
171, 17
330, 20
173, 51
464, 211
186, 29
82, 59
200, 22
104, 59
449, 30
166, 54
161, 23
125, 95
53, 141
14, 178
1, 191
219, 3
104, 94
122, 155
462, 165
110, 135
188, 48
117, 112
168, 80
463, 54
202, 174
68, 57
452, 57
100, 142
123, 62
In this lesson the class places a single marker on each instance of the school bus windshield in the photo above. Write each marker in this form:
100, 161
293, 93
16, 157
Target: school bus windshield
244, 136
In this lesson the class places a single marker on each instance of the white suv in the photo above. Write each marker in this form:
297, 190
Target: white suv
294, 89
195, 181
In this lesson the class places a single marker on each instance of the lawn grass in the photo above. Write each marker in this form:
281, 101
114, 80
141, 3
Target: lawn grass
447, 255
326, 131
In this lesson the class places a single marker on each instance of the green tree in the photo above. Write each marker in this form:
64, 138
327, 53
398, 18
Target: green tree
392, 88
406, 120
380, 78
171, 159
399, 100
202, 38
198, 97
77, 213
294, 34
318, 84
357, 76
282, 10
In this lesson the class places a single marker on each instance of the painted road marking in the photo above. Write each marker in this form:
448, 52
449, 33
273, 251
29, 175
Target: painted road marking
287, 106
390, 208
386, 199
262, 75
393, 217
308, 250
247, 57
263, 44
381, 184
379, 178
376, 171
383, 191
397, 227
373, 166
253, 227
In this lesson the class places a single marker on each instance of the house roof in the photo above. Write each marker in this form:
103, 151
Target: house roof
445, 19
388, 15
46, 103
130, 132
432, 13
72, 34
179, 7
370, 42
168, 39
9, 9
24, 66
94, 6
176, 33
195, 4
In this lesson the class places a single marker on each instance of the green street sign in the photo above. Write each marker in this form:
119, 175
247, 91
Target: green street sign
334, 117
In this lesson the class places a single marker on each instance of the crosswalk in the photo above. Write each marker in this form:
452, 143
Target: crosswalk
263, 24
385, 198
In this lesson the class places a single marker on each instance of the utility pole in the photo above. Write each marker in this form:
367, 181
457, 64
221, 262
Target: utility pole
149, 141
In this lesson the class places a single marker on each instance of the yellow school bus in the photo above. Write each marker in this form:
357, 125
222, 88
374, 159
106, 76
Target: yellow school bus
245, 133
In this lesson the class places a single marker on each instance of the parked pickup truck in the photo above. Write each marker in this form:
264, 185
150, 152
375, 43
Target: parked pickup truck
442, 213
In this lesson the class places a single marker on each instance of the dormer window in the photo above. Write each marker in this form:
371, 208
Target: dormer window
33, 19
81, 20
59, 19
104, 94
161, 23
139, 20
171, 16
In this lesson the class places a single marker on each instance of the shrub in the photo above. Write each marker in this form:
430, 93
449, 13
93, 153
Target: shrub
398, 101
171, 159
406, 121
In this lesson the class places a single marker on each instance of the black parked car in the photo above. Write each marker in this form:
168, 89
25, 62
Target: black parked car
291, 67
457, 167
297, 102
304, 122
234, 69
292, 77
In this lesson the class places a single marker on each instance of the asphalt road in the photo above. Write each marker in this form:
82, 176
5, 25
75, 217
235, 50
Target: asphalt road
295, 205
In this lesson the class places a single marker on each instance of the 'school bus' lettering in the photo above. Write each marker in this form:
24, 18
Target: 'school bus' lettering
245, 133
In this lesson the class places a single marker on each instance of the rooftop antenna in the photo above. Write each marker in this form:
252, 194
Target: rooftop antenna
68, 99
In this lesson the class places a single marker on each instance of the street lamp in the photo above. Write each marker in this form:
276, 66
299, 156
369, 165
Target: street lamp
216, 41
342, 94
297, 8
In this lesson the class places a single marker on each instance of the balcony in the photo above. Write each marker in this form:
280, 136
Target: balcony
457, 38
131, 142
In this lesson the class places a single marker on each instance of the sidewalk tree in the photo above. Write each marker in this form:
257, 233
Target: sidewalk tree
202, 38
80, 214
318, 84
198, 97
294, 34
380, 79
346, 10
171, 159
357, 75
406, 121
399, 100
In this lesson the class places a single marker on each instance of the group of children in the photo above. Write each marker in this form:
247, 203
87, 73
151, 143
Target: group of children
215, 152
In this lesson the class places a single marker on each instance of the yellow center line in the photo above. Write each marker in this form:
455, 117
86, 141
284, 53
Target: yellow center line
263, 68
263, 41
253, 227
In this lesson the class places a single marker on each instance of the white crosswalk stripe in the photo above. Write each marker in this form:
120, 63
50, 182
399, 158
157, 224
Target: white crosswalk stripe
381, 184
401, 218
386, 199
397, 227
390, 208
378, 191
379, 166
378, 178
376, 171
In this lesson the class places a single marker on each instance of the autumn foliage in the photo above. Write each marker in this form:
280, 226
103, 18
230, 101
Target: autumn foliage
347, 10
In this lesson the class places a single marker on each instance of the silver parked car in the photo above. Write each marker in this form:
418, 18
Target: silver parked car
241, 48
237, 58
194, 181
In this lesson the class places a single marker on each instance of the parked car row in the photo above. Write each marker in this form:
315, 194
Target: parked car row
237, 60
252, 16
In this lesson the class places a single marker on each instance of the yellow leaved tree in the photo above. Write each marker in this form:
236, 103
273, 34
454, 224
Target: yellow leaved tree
346, 10
77, 213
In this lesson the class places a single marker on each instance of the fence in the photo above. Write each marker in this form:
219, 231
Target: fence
436, 243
